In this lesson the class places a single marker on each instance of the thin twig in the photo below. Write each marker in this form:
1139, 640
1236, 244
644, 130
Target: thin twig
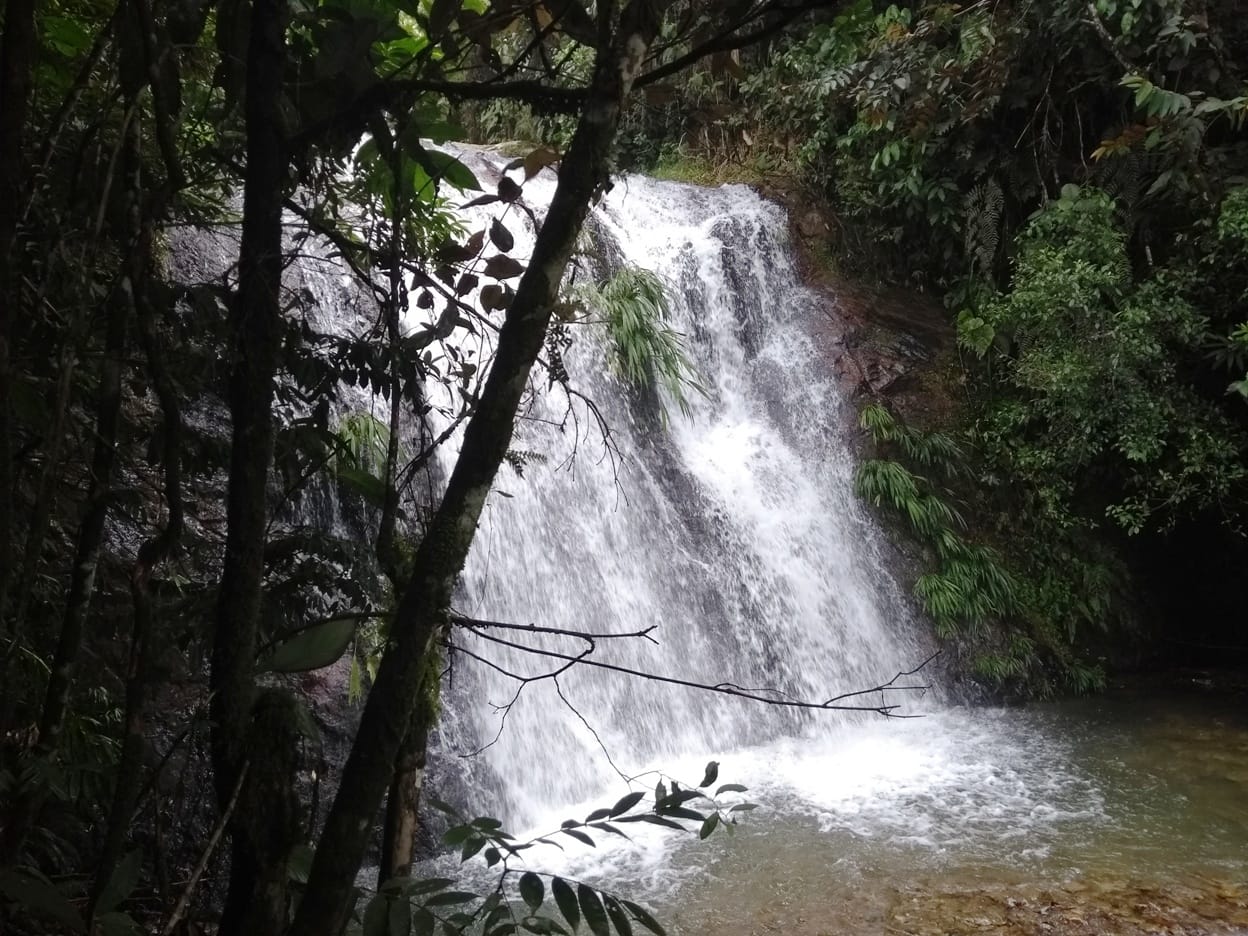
180, 908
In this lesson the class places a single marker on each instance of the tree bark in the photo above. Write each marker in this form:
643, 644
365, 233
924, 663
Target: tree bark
153, 551
442, 552
17, 55
255, 336
398, 835
268, 820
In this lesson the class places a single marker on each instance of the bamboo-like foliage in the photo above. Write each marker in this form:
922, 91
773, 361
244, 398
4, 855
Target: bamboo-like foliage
644, 347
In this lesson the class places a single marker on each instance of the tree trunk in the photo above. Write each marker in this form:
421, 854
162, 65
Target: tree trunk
17, 55
91, 531
268, 824
398, 841
255, 336
153, 551
440, 557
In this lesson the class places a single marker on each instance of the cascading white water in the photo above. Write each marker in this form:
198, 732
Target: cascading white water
734, 531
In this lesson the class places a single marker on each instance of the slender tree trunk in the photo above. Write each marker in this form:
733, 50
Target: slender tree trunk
398, 837
440, 557
272, 825
153, 552
396, 303
91, 530
256, 333
17, 55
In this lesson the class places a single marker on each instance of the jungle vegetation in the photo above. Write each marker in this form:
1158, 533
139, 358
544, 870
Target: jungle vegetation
1069, 177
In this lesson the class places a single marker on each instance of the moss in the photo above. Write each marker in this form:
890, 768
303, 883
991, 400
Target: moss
698, 170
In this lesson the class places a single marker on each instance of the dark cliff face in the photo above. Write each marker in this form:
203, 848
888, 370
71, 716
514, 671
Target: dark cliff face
886, 344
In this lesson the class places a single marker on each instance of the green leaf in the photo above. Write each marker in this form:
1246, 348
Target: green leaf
66, 35
117, 924
580, 836
537, 160
618, 917
653, 820
300, 863
626, 803
400, 918
730, 788
41, 898
712, 773
377, 917
532, 890
317, 646
457, 835
607, 827
428, 885
500, 237
642, 916
544, 926
565, 899
442, 806
592, 910
424, 923
122, 881
362, 482
502, 267
450, 898
445, 166
709, 826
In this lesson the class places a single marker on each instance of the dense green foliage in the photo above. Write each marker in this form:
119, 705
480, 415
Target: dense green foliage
1011, 598
1088, 403
633, 306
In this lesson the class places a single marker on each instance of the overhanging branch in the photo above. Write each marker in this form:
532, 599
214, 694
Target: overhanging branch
767, 696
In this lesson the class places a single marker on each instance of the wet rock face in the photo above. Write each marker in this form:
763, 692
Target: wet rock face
882, 343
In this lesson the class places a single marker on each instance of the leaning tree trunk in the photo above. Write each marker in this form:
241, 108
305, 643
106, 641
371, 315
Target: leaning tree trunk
255, 334
422, 611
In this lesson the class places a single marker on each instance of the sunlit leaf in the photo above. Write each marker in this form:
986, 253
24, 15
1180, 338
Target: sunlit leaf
317, 646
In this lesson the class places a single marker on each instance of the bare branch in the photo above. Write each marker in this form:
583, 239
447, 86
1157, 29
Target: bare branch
590, 728
180, 907
590, 636
767, 696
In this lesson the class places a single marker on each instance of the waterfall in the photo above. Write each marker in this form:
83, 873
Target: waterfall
733, 531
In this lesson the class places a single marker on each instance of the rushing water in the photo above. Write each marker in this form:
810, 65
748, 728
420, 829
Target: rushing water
734, 534
733, 531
